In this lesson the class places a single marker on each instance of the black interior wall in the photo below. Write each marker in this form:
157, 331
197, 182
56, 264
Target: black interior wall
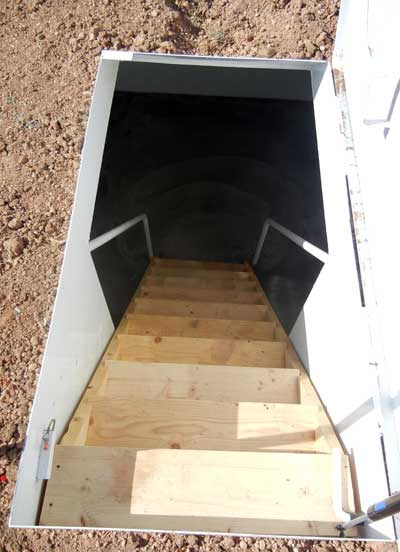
207, 171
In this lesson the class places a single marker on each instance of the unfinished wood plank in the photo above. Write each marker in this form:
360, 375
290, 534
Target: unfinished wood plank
182, 326
203, 283
207, 295
164, 272
189, 350
202, 265
203, 425
198, 309
243, 492
78, 424
308, 395
132, 380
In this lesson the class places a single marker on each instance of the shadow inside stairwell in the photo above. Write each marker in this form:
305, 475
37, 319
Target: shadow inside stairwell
208, 170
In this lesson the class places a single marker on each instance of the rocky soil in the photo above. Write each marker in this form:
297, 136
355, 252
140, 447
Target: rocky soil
49, 55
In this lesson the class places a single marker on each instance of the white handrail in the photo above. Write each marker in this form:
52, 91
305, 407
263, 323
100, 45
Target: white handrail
307, 246
111, 234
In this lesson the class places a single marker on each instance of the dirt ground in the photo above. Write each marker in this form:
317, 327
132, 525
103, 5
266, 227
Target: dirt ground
50, 51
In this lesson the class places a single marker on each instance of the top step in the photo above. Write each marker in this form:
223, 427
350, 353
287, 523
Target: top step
199, 265
189, 272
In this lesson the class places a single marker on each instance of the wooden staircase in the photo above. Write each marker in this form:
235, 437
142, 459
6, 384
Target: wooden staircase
200, 417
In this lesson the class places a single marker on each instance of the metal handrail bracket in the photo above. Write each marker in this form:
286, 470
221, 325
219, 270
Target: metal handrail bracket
307, 246
111, 234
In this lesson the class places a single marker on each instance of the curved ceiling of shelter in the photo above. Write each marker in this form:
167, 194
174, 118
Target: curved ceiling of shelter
207, 171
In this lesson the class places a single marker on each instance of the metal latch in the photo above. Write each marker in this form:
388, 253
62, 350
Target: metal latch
46, 452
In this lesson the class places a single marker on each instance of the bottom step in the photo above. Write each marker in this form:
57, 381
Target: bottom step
211, 491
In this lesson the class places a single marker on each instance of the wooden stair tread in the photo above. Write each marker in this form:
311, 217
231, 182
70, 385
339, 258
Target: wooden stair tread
184, 326
191, 490
203, 425
199, 309
201, 382
190, 350
203, 265
203, 283
219, 379
161, 271
200, 294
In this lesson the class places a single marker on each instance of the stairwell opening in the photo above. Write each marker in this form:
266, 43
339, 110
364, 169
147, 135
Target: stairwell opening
208, 153
255, 138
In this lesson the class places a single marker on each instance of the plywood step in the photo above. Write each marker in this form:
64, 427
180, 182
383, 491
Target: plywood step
199, 309
164, 272
131, 380
202, 265
210, 420
203, 425
207, 295
202, 283
182, 326
188, 350
243, 492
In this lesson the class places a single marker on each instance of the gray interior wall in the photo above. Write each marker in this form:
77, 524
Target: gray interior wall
120, 265
207, 171
250, 80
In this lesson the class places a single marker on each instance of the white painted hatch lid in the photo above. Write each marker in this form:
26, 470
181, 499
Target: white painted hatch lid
367, 53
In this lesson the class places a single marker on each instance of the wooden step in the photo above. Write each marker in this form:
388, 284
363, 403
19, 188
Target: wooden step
199, 309
202, 283
202, 265
183, 326
241, 492
165, 272
131, 380
189, 350
207, 295
204, 425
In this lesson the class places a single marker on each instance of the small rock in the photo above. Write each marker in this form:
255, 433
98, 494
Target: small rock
15, 223
154, 13
192, 540
309, 47
179, 541
228, 543
6, 317
261, 545
23, 159
167, 46
35, 341
284, 548
140, 39
267, 51
243, 545
50, 227
14, 246
4, 461
321, 38
2, 146
7, 433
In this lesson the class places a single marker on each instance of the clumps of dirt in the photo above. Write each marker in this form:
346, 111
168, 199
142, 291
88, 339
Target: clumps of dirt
50, 52
279, 28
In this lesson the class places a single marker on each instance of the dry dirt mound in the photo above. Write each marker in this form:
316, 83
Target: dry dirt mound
50, 51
